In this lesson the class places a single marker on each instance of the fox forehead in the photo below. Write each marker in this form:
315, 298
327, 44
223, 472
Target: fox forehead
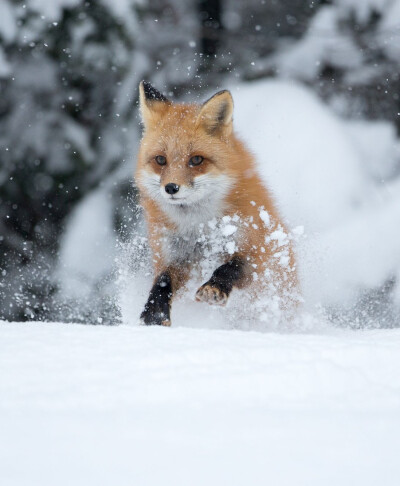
175, 131
175, 145
177, 116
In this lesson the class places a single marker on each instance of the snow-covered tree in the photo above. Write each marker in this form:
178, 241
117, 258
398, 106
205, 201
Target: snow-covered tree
68, 79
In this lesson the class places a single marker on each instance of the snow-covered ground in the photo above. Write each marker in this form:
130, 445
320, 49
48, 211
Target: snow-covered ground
100, 405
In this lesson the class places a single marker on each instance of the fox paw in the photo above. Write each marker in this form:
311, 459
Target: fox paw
212, 295
149, 318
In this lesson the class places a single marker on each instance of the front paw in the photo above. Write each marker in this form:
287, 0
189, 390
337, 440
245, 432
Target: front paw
154, 317
212, 295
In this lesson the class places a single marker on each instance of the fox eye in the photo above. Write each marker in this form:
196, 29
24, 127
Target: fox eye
161, 160
196, 160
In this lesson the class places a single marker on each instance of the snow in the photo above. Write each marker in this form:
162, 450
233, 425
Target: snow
323, 43
88, 238
303, 152
359, 254
123, 8
389, 31
327, 176
8, 25
229, 229
52, 9
265, 217
378, 146
5, 67
230, 247
134, 405
362, 9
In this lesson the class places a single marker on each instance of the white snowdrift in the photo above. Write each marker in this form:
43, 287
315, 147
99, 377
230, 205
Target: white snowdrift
90, 236
148, 406
327, 175
303, 152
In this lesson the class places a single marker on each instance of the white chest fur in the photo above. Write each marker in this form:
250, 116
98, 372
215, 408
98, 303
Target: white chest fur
202, 236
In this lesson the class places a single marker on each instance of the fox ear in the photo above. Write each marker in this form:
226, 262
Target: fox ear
151, 101
216, 113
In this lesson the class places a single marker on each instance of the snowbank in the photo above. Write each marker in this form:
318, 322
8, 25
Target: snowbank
123, 405
88, 246
327, 175
303, 151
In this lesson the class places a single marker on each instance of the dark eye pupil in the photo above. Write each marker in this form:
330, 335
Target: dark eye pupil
196, 160
161, 160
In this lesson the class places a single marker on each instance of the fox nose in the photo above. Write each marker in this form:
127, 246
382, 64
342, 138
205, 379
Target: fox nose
171, 188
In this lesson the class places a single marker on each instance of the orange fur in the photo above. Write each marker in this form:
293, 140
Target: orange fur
178, 132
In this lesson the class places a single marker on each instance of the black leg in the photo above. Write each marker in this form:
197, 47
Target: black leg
157, 308
225, 277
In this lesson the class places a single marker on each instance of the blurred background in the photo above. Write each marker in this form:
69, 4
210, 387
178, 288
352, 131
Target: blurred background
69, 127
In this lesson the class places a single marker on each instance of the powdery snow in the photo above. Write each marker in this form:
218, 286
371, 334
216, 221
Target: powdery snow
316, 166
304, 153
8, 24
89, 237
125, 405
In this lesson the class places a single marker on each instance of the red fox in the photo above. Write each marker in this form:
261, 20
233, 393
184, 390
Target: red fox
195, 175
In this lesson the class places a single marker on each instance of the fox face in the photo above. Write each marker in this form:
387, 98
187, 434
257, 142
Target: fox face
185, 158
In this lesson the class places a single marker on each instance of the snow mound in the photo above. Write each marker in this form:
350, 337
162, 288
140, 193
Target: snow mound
327, 175
303, 151
87, 248
120, 405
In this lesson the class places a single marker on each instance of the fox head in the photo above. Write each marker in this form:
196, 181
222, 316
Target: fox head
188, 153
